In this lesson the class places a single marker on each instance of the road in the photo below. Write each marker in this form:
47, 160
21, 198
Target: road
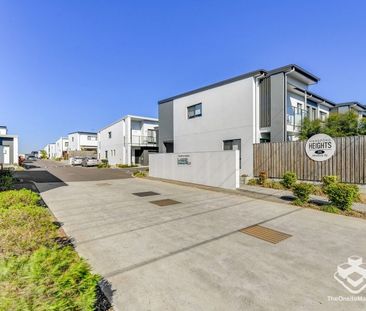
191, 256
49, 174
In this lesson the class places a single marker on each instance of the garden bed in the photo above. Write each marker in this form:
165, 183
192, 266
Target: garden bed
39, 268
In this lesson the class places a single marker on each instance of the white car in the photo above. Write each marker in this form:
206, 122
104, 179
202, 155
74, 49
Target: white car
89, 161
76, 161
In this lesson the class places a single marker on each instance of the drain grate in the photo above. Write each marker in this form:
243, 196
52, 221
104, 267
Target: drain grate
103, 184
145, 193
164, 202
266, 234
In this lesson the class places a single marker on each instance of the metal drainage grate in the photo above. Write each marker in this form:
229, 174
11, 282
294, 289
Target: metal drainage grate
266, 234
145, 193
164, 202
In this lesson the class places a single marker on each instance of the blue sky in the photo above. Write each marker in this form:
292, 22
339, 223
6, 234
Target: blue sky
80, 65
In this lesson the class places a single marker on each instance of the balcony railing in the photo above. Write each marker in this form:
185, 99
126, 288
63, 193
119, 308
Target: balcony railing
295, 118
143, 140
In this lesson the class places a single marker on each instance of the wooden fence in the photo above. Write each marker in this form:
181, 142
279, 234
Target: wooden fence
348, 162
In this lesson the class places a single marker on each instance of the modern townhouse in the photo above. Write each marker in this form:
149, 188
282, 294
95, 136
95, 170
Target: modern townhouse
260, 106
356, 107
8, 147
61, 147
82, 141
128, 140
50, 150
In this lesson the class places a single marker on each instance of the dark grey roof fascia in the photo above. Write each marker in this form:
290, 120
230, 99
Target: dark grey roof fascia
81, 132
351, 104
297, 68
321, 98
211, 86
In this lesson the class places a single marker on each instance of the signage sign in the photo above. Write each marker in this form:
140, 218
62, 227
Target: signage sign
184, 159
320, 147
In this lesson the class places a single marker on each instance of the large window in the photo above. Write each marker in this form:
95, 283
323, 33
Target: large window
109, 134
91, 138
194, 111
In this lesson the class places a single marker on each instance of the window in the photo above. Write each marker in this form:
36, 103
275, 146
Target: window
91, 138
106, 154
194, 111
109, 134
72, 139
66, 144
323, 115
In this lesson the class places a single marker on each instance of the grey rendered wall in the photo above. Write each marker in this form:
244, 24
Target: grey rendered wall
166, 124
8, 142
278, 108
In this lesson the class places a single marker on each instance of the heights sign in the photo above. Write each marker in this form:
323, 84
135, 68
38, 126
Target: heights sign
320, 147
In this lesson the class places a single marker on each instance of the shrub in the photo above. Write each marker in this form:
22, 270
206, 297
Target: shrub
49, 279
104, 164
272, 184
252, 182
342, 195
262, 178
125, 165
140, 174
330, 209
289, 179
6, 182
24, 229
302, 192
18, 197
327, 181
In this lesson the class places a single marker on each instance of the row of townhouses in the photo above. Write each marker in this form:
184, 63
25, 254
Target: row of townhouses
259, 106
8, 147
72, 144
126, 141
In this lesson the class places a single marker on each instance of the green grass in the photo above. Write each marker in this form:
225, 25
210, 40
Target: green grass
18, 197
37, 273
48, 279
24, 229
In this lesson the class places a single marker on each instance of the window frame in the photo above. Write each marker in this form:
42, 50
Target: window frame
194, 109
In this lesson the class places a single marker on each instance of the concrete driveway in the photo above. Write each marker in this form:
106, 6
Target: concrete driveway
191, 256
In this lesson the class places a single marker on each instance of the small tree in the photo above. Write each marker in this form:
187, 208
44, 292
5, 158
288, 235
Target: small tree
310, 128
43, 154
336, 125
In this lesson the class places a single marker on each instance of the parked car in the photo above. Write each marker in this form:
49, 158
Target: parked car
76, 160
30, 157
89, 161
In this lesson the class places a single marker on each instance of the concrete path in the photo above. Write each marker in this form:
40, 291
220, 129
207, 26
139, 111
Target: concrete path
190, 256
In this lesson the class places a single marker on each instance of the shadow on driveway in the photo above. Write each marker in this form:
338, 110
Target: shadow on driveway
45, 180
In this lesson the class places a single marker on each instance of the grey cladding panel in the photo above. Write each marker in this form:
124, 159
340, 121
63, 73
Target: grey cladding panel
278, 112
166, 124
265, 103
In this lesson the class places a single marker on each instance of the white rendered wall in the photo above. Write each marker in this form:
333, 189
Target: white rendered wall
216, 169
74, 142
115, 143
15, 150
3, 131
228, 112
84, 142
